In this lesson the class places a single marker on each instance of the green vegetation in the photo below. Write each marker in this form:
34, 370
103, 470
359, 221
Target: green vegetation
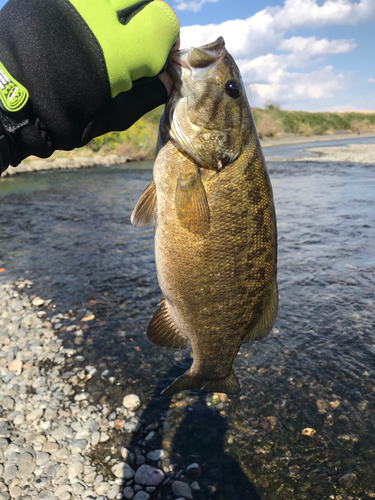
273, 121
139, 141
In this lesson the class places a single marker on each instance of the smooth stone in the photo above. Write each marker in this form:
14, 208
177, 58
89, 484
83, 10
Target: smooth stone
78, 488
149, 476
45, 495
10, 472
102, 488
193, 470
141, 495
34, 415
128, 492
50, 447
131, 402
181, 489
113, 492
157, 455
38, 302
15, 491
63, 432
78, 443
195, 486
123, 470
41, 457
15, 366
75, 469
8, 403
19, 420
95, 438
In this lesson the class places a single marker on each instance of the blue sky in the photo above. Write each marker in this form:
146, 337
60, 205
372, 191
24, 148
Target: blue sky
312, 55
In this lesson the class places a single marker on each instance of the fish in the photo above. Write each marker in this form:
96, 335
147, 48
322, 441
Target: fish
212, 207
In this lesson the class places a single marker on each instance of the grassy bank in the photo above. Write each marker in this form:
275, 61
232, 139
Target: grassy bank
139, 142
273, 121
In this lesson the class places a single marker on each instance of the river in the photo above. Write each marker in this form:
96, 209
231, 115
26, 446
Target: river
70, 233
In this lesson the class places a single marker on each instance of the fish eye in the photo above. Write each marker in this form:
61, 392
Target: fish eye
233, 89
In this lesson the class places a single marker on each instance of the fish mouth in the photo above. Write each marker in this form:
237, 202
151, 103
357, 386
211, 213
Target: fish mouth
195, 59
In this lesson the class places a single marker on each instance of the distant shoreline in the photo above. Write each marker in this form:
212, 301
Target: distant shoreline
361, 153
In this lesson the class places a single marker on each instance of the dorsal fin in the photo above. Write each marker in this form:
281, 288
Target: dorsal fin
192, 205
163, 332
144, 213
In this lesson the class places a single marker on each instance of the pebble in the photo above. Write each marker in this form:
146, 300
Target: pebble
149, 476
128, 492
157, 455
123, 470
131, 402
181, 489
38, 302
15, 366
141, 495
49, 423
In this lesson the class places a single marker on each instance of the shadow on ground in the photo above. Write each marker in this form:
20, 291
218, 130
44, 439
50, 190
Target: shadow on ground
197, 435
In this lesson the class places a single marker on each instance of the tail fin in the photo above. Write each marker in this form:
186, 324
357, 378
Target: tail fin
187, 381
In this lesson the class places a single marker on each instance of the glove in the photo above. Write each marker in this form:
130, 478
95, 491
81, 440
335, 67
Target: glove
73, 70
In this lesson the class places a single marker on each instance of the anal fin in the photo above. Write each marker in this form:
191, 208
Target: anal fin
144, 213
192, 205
163, 332
187, 381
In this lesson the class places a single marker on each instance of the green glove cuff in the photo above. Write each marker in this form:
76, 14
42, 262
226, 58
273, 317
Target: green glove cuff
136, 49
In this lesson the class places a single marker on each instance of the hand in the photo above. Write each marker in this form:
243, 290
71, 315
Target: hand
165, 77
89, 66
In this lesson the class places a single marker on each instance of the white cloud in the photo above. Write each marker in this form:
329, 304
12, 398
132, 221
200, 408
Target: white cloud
194, 6
264, 54
371, 80
291, 88
266, 29
299, 13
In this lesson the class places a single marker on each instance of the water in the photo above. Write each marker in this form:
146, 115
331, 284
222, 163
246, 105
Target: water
299, 150
70, 233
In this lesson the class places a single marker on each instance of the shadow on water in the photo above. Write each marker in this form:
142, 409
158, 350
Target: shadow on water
193, 433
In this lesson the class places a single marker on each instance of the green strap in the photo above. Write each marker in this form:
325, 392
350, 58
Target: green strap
13, 95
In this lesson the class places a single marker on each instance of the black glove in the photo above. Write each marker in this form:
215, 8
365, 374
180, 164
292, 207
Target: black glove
67, 70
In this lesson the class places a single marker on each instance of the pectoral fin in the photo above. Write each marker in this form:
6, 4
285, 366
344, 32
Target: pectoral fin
192, 205
144, 213
163, 332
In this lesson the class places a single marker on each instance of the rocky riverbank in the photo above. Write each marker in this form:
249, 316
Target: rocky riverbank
52, 432
38, 165
356, 153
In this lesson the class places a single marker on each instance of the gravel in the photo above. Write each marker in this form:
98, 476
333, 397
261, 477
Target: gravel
50, 426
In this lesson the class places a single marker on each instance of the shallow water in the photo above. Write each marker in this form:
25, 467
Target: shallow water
299, 150
70, 233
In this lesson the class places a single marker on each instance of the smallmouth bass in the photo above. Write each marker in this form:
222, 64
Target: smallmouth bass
212, 207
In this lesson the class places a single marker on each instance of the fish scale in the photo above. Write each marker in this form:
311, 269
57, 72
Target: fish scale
215, 232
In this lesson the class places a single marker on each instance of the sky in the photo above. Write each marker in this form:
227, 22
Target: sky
312, 55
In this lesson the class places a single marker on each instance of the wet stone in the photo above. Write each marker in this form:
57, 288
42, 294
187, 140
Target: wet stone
182, 489
149, 476
141, 495
157, 455
131, 402
128, 492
